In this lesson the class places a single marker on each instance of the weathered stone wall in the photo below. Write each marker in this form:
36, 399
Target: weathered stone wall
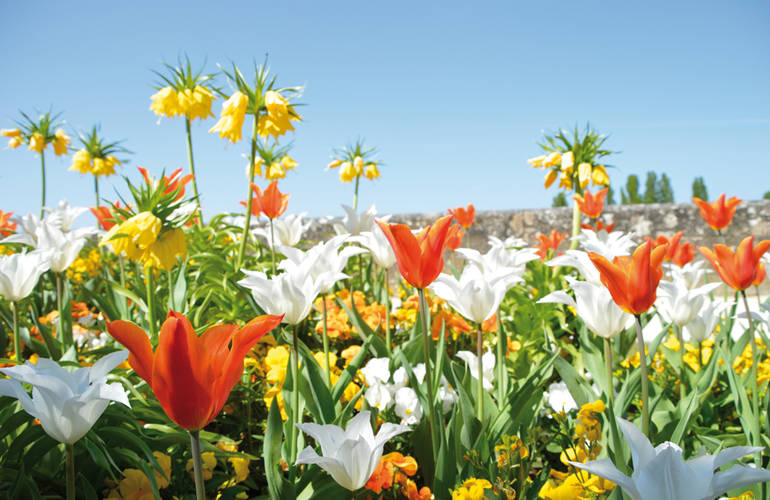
752, 217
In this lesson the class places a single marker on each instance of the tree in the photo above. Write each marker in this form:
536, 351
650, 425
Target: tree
610, 200
560, 200
767, 196
666, 191
651, 188
631, 194
699, 189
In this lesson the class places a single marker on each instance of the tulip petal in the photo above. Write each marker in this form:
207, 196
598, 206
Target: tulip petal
738, 476
613, 278
138, 343
642, 452
13, 389
606, 469
105, 365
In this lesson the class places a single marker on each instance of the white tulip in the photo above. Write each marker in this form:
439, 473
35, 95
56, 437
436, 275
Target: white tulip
705, 321
289, 293
288, 230
19, 273
354, 224
476, 296
66, 404
609, 245
501, 261
508, 243
64, 247
351, 455
324, 262
63, 216
487, 367
378, 245
579, 260
692, 273
661, 472
678, 304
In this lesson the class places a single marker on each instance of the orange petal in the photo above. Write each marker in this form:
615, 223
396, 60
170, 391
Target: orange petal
613, 278
138, 344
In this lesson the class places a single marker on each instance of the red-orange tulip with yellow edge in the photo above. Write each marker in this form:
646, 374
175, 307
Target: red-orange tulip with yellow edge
420, 258
599, 226
464, 216
738, 270
191, 376
719, 213
677, 252
272, 202
7, 226
591, 204
455, 237
761, 274
172, 182
549, 242
632, 281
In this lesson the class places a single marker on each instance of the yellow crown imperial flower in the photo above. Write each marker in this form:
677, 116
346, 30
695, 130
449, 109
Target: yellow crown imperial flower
81, 162
599, 176
163, 251
233, 112
60, 142
334, 164
196, 103
584, 174
567, 160
134, 235
371, 172
10, 132
552, 159
37, 142
277, 120
166, 102
347, 172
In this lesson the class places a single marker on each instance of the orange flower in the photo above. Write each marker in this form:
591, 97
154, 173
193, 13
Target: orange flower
452, 323
172, 182
547, 242
679, 254
718, 214
256, 210
632, 282
6, 226
464, 216
420, 258
455, 237
191, 376
105, 216
761, 274
272, 202
591, 204
738, 270
600, 226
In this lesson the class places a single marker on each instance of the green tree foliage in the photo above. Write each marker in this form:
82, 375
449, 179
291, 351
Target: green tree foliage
630, 195
666, 191
699, 189
560, 200
651, 194
656, 190
610, 200
767, 196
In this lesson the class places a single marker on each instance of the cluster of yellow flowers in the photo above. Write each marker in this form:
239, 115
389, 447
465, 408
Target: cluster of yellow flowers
135, 485
633, 360
275, 170
141, 239
351, 170
562, 166
471, 489
511, 452
86, 267
192, 103
580, 485
442, 315
337, 322
84, 163
231, 122
277, 120
36, 141
743, 363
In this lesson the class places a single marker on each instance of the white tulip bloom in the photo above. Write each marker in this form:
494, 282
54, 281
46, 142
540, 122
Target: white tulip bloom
679, 304
508, 243
66, 404
64, 247
324, 262
487, 367
691, 274
579, 260
609, 245
289, 293
351, 455
63, 216
354, 224
661, 472
594, 306
288, 230
500, 261
19, 273
476, 296
378, 245
559, 398
408, 406
705, 321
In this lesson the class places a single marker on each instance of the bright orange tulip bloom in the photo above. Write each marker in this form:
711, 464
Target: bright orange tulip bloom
677, 252
272, 202
455, 237
420, 258
6, 226
191, 376
549, 242
738, 270
103, 215
632, 282
761, 274
172, 182
600, 226
718, 214
256, 210
591, 204
464, 216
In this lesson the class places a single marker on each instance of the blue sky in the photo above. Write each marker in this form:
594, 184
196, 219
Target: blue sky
453, 94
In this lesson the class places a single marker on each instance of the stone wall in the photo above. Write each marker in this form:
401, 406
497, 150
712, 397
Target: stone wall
752, 217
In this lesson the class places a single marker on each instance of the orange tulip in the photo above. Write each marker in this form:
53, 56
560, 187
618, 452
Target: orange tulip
718, 214
738, 270
256, 210
761, 274
420, 258
455, 237
679, 254
272, 202
6, 226
464, 216
549, 242
172, 182
191, 376
600, 226
591, 204
632, 282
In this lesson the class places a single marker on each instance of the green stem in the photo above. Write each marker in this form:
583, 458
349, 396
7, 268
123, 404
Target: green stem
70, 464
195, 445
388, 339
480, 376
700, 354
272, 246
96, 190
150, 308
295, 418
355, 194
614, 434
575, 225
682, 384
501, 350
16, 341
192, 171
425, 323
66, 333
608, 366
645, 379
249, 198
756, 439
326, 344
42, 175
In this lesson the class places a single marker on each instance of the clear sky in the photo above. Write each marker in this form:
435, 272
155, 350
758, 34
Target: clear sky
453, 94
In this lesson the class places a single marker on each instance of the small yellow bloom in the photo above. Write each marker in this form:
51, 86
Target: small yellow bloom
166, 102
567, 160
550, 177
599, 176
275, 103
14, 142
472, 489
61, 142
334, 164
164, 250
196, 103
289, 163
350, 353
37, 142
209, 462
320, 358
371, 172
358, 165
552, 159
81, 162
10, 132
537, 161
134, 235
233, 113
347, 172
584, 174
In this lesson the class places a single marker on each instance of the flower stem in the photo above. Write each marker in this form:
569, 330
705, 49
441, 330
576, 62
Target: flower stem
16, 341
295, 419
682, 385
66, 333
387, 311
70, 465
608, 365
480, 376
272, 246
501, 348
150, 308
425, 323
700, 354
645, 379
42, 176
355, 194
249, 199
195, 445
756, 440
326, 345
575, 225
96, 190
192, 171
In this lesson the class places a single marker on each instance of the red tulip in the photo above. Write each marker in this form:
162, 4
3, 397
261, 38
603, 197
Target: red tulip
6, 226
420, 258
591, 204
464, 216
738, 270
632, 282
718, 214
172, 182
191, 376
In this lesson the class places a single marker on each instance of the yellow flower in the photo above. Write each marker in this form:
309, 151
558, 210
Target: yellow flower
347, 172
599, 176
276, 393
537, 161
277, 120
289, 163
10, 132
565, 180
81, 162
320, 358
37, 142
550, 177
276, 361
371, 172
584, 174
208, 460
165, 463
358, 165
133, 236
350, 353
163, 252
567, 160
14, 143
552, 159
233, 112
196, 103
334, 164
135, 485
166, 102
569, 489
472, 489
275, 103
61, 142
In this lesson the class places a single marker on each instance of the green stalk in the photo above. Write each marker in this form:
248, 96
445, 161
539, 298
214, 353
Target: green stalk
96, 190
480, 376
272, 246
195, 444
150, 309
326, 345
355, 194
501, 350
608, 365
16, 341
700, 354
249, 199
645, 379
70, 465
756, 439
388, 340
192, 171
615, 436
682, 385
42, 175
295, 418
425, 323
575, 226
66, 333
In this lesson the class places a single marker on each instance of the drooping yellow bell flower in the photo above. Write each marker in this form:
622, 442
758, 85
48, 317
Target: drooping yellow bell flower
10, 132
233, 112
166, 102
289, 163
567, 160
358, 165
162, 253
134, 235
37, 142
196, 103
371, 172
81, 162
14, 142
599, 176
584, 174
277, 120
550, 177
537, 161
347, 172
552, 159
334, 164
61, 142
